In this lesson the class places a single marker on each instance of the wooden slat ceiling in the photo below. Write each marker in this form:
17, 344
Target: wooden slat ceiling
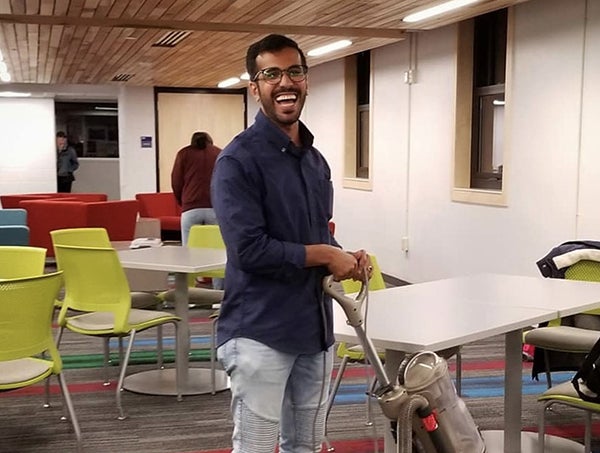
94, 41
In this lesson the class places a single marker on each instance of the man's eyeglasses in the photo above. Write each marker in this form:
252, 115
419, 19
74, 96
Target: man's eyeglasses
296, 73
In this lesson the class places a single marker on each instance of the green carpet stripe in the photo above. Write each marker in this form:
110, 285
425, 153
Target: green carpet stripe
136, 358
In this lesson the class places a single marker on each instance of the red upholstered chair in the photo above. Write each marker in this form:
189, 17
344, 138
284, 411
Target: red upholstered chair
162, 206
13, 200
45, 215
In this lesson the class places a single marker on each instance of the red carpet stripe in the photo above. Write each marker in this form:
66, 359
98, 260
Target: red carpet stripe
341, 446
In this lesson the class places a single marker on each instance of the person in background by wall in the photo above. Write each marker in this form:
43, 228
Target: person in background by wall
273, 196
66, 163
190, 180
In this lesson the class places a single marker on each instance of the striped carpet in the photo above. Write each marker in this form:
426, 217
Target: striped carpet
201, 424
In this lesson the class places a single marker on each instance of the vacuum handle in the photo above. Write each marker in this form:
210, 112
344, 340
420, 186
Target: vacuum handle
354, 318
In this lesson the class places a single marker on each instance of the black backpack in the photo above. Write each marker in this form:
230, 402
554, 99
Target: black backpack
587, 379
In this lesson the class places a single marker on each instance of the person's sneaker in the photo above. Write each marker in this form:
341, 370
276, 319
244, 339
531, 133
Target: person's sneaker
527, 352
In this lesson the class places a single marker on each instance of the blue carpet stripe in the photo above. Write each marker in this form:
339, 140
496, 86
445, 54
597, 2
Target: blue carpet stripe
472, 387
167, 341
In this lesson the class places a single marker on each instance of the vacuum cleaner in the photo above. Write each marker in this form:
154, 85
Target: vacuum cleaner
422, 402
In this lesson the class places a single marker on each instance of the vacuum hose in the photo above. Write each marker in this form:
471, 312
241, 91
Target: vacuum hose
414, 403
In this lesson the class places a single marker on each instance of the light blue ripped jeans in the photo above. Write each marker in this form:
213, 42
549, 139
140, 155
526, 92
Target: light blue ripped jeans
276, 394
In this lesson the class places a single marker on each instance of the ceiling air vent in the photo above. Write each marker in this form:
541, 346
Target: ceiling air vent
171, 38
122, 77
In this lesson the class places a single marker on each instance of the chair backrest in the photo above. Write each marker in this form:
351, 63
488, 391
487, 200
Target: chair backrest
206, 236
84, 237
21, 261
94, 282
15, 216
26, 307
585, 270
376, 282
14, 235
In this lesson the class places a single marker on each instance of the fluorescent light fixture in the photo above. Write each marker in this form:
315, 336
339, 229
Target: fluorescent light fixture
13, 94
436, 10
228, 82
99, 107
498, 102
5, 76
3, 67
329, 48
245, 76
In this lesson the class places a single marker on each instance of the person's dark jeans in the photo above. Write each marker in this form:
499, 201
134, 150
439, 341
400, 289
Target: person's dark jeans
64, 183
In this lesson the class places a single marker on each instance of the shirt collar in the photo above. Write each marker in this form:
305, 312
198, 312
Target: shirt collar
280, 139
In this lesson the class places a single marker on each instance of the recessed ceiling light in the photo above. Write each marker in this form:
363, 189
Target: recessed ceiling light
228, 82
436, 10
14, 94
329, 48
245, 76
3, 67
5, 76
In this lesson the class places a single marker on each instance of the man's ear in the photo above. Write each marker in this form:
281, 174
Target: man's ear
254, 91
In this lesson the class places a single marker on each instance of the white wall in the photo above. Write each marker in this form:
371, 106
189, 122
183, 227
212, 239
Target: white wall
552, 174
136, 119
28, 146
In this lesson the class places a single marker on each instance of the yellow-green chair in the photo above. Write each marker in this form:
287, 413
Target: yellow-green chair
96, 289
577, 338
98, 237
21, 261
565, 394
26, 307
204, 236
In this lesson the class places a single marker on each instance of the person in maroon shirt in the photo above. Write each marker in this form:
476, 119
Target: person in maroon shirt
190, 180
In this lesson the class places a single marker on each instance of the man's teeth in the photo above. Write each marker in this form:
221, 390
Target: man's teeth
285, 97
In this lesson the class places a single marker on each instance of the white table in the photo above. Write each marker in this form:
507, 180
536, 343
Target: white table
452, 312
181, 261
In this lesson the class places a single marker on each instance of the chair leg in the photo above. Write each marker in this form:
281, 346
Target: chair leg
106, 351
330, 400
178, 378
159, 346
542, 425
459, 372
588, 432
213, 358
124, 363
371, 384
69, 404
547, 365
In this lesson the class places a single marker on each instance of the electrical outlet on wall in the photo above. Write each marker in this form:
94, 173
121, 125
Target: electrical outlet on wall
404, 243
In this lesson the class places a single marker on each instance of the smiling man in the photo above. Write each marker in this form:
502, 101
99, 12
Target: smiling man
272, 193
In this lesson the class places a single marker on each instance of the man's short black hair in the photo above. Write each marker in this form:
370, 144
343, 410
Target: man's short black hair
271, 43
61, 134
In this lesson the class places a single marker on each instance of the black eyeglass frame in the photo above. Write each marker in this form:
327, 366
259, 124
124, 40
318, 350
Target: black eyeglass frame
276, 80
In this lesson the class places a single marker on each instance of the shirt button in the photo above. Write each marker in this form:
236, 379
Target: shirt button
283, 150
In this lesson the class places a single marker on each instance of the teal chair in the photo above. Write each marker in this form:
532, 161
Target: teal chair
13, 227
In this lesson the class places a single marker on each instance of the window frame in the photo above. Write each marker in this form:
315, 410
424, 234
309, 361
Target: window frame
463, 141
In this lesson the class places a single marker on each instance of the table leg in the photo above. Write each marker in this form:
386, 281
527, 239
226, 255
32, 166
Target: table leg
183, 330
513, 376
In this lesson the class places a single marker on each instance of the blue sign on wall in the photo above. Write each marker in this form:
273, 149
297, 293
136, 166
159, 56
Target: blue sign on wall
146, 141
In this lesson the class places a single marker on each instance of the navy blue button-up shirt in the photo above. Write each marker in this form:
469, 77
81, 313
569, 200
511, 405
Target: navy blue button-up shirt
272, 198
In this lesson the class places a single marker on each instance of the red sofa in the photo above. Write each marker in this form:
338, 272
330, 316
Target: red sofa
44, 215
162, 206
12, 201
